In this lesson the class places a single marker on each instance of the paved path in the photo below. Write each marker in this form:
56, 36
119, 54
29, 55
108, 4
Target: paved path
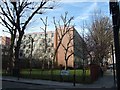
106, 81
22, 86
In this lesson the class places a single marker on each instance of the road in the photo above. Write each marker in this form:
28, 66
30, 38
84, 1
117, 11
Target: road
7, 85
23, 86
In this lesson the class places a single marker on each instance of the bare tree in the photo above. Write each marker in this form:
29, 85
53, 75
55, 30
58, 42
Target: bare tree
99, 38
44, 40
61, 29
68, 47
15, 15
44, 52
84, 51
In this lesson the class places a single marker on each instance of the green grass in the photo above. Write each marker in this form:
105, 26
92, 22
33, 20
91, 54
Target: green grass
46, 74
55, 75
55, 72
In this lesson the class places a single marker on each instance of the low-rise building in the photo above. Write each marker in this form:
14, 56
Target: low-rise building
4, 46
70, 49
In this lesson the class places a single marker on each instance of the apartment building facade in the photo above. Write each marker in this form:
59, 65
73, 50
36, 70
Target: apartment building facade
4, 47
71, 48
35, 46
4, 40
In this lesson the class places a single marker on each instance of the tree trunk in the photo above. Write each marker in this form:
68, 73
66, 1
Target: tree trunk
17, 61
43, 65
11, 56
10, 63
66, 64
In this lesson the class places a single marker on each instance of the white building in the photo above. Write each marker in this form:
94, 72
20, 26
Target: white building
36, 49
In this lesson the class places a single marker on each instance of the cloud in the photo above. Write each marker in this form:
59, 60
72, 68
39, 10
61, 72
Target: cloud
82, 17
86, 14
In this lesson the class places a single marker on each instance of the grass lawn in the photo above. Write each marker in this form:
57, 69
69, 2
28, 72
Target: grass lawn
55, 75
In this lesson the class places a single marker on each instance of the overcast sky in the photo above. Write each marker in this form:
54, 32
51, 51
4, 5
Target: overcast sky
80, 9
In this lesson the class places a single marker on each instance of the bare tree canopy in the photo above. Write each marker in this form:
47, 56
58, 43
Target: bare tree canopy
16, 15
99, 38
62, 27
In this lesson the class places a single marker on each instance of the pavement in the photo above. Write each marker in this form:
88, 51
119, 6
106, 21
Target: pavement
107, 81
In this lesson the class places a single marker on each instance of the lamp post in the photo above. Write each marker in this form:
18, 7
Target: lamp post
74, 75
30, 62
113, 65
114, 10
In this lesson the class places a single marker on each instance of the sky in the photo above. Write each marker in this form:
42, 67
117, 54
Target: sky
81, 10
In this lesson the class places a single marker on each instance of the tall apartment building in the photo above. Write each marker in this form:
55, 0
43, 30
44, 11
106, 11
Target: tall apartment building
71, 41
34, 44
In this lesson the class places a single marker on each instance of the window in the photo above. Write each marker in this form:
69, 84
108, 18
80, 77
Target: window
52, 45
49, 40
23, 46
4, 47
27, 51
29, 46
24, 37
52, 35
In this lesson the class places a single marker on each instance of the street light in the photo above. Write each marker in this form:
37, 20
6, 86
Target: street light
74, 75
31, 40
113, 65
114, 10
